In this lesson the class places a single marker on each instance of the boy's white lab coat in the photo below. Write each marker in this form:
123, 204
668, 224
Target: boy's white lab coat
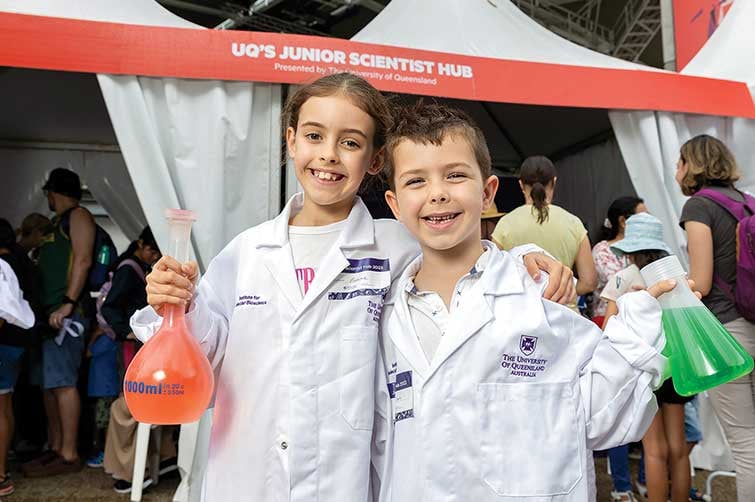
294, 405
517, 391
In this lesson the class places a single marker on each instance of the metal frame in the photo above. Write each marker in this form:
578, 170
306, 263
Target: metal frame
638, 24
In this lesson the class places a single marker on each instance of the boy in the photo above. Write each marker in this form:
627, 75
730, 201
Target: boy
493, 393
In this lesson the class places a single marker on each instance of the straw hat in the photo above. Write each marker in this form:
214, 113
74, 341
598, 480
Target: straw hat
491, 212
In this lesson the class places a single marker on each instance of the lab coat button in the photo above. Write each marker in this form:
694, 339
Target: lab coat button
284, 445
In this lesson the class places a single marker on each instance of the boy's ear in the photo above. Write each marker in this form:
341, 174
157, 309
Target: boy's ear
378, 160
291, 141
489, 189
392, 200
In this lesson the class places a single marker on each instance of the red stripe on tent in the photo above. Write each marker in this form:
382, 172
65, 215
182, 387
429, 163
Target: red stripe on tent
98, 47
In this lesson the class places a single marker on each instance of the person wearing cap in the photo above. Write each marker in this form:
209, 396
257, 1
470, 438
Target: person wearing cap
488, 221
64, 261
665, 443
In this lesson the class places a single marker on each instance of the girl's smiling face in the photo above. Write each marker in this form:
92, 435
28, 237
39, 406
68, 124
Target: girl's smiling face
332, 149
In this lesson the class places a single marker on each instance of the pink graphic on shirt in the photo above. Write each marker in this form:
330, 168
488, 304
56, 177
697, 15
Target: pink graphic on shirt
305, 276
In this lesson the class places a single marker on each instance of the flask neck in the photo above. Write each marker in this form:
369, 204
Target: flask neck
174, 315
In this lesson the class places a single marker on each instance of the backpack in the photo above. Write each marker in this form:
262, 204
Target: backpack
104, 253
105, 289
743, 294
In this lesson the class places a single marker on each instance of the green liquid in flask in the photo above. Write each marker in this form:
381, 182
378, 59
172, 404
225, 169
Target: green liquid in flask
703, 354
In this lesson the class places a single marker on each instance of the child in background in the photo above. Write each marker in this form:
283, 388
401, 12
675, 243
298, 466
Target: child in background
288, 312
492, 391
664, 444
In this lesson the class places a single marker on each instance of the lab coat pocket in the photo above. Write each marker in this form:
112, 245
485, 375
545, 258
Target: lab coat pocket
356, 374
529, 439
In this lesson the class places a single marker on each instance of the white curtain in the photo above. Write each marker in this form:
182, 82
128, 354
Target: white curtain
599, 171
209, 146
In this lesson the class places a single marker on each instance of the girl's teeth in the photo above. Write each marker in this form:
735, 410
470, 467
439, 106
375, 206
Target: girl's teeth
325, 176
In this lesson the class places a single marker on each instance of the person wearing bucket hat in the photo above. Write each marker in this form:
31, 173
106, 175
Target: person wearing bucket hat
643, 232
665, 442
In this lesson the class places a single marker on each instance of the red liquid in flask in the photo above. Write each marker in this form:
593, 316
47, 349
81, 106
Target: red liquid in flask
170, 380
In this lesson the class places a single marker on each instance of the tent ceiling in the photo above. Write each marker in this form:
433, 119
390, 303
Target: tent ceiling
52, 106
515, 132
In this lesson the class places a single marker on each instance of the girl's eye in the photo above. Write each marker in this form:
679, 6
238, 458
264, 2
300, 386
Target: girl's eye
350, 143
313, 136
414, 181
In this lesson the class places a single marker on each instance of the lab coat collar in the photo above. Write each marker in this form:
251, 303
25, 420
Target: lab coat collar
500, 277
359, 229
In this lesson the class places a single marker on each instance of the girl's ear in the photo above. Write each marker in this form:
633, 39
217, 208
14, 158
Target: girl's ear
378, 160
291, 142
392, 200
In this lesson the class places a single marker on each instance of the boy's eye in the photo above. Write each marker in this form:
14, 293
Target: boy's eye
414, 181
313, 136
457, 175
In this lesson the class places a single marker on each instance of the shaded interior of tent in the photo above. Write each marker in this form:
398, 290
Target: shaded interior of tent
55, 118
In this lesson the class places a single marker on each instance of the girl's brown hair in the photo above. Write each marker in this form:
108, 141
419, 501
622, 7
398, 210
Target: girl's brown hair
709, 162
356, 89
538, 172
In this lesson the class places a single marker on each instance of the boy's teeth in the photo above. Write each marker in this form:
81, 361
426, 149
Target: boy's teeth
438, 219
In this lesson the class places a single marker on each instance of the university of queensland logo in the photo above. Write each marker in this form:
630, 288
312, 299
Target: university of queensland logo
527, 344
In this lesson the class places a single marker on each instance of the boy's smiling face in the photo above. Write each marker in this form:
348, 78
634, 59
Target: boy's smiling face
440, 193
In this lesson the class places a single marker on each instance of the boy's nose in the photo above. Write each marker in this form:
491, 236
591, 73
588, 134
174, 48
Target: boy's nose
439, 197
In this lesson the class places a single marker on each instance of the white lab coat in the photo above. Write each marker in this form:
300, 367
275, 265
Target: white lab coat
294, 405
479, 423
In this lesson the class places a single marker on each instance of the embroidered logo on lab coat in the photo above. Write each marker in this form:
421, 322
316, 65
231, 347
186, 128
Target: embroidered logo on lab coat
250, 300
527, 344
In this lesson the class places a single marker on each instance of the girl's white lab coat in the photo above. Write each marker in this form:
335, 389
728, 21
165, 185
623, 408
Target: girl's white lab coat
517, 391
294, 405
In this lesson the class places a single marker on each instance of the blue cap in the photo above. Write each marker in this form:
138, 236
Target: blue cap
643, 232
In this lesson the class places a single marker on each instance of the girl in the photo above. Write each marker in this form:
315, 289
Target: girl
288, 312
547, 225
664, 444
607, 263
706, 163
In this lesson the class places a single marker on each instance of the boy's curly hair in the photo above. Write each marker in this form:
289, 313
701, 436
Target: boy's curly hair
425, 123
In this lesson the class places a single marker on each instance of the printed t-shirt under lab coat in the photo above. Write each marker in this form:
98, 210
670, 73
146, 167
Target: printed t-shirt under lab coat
309, 245
517, 391
293, 409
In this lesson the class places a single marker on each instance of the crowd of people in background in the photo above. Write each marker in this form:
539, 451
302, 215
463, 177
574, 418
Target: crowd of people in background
83, 321
82, 294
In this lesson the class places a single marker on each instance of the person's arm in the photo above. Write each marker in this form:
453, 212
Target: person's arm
82, 231
611, 310
700, 249
587, 276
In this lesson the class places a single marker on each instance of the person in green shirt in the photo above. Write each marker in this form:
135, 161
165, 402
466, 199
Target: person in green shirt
64, 261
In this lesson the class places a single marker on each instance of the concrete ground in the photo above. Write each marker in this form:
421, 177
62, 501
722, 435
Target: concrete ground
93, 485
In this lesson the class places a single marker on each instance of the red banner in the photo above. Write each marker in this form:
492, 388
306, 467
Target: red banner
98, 47
694, 23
